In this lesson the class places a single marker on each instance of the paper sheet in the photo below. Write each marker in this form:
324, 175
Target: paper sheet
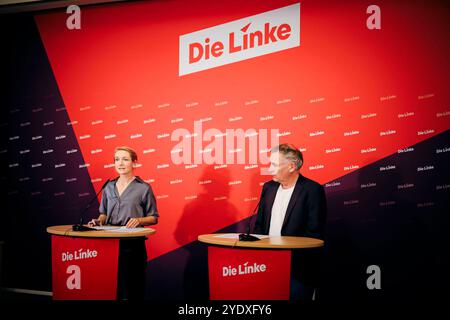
236, 236
124, 229
109, 228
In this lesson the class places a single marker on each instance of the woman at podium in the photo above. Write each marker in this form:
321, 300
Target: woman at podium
128, 201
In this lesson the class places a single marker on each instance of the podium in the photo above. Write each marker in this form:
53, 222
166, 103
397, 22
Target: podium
85, 264
259, 270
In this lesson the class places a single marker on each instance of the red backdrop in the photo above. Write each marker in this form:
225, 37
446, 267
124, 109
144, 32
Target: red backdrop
118, 77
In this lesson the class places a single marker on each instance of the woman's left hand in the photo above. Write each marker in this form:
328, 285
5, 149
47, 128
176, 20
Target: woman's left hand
133, 223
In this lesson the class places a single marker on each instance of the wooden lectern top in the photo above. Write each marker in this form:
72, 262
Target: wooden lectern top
273, 242
66, 230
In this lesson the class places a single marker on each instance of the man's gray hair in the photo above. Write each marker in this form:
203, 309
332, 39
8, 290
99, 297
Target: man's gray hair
291, 153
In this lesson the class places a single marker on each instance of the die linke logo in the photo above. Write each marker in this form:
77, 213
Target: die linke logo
78, 255
242, 39
73, 271
242, 269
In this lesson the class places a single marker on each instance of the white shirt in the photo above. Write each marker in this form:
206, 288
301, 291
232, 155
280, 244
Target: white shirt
279, 209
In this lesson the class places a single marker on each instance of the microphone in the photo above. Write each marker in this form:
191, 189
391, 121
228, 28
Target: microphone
247, 236
80, 226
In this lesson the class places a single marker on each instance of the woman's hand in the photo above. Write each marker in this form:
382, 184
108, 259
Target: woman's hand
133, 223
95, 222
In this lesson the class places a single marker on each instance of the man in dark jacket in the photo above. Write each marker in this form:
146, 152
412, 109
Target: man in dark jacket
293, 205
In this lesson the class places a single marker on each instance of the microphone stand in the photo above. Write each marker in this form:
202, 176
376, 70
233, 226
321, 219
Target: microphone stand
247, 236
80, 226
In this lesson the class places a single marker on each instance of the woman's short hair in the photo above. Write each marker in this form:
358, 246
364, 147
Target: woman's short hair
290, 152
132, 153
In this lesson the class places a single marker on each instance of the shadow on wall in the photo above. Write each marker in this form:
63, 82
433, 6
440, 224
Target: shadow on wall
182, 275
205, 214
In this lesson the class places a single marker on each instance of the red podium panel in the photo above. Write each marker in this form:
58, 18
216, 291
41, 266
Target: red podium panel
248, 274
84, 268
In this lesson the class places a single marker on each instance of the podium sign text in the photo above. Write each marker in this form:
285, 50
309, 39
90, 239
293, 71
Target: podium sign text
248, 274
84, 268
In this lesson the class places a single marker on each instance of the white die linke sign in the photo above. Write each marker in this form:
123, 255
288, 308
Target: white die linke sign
242, 39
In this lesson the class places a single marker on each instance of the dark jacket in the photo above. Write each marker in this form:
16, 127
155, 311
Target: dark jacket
306, 212
305, 217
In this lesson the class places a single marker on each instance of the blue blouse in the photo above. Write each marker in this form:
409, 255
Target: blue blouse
136, 201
